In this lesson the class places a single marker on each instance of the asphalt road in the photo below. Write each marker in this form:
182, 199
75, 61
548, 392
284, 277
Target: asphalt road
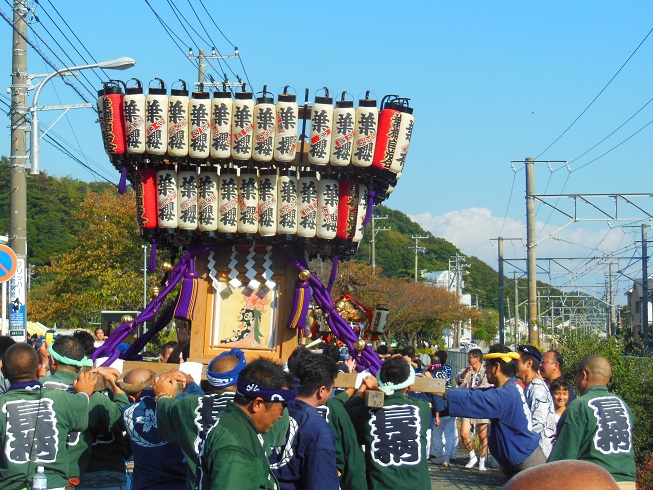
457, 477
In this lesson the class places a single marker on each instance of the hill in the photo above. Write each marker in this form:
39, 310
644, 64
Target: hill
50, 225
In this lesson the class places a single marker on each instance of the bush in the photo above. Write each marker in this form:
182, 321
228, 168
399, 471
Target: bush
632, 380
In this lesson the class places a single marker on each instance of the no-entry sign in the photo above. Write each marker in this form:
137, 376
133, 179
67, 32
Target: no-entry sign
8, 263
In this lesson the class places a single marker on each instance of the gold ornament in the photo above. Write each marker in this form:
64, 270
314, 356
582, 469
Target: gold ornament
155, 291
359, 345
341, 304
166, 267
304, 275
126, 319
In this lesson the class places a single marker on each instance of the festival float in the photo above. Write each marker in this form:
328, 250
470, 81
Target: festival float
243, 192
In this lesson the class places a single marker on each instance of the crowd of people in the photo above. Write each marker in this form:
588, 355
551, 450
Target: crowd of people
263, 424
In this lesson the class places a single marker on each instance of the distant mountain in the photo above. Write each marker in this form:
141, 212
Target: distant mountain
51, 227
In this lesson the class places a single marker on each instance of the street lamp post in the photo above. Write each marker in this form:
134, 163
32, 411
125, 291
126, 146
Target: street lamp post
35, 147
18, 195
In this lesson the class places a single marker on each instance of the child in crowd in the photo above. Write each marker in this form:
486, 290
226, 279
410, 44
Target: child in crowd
560, 393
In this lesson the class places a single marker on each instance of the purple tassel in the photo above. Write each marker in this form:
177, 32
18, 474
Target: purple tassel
300, 304
334, 270
151, 265
187, 294
339, 325
122, 185
139, 344
370, 206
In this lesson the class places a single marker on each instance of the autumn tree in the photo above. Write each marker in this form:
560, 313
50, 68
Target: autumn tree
104, 271
416, 310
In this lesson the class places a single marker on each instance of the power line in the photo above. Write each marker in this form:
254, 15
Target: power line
70, 60
170, 33
596, 97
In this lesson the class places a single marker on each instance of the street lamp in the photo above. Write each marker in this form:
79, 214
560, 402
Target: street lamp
35, 148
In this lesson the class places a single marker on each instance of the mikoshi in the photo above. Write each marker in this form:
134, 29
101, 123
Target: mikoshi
226, 175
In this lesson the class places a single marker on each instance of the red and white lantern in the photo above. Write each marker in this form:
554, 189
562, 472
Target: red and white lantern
187, 198
247, 201
343, 133
134, 111
267, 202
367, 123
242, 126
228, 201
307, 205
178, 122
207, 200
264, 128
200, 125
156, 119
321, 127
285, 138
327, 212
221, 114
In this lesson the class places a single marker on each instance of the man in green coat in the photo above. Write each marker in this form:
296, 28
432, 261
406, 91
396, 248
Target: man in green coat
186, 421
67, 358
597, 426
394, 436
234, 454
35, 421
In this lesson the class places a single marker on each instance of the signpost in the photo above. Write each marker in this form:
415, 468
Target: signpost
17, 312
8, 266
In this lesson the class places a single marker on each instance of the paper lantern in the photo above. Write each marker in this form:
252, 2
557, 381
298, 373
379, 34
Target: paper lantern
167, 204
207, 200
156, 117
221, 114
367, 122
363, 203
327, 203
267, 203
321, 127
114, 122
287, 203
403, 141
264, 128
379, 319
285, 138
343, 132
307, 205
228, 202
146, 200
388, 134
178, 122
247, 202
242, 125
187, 198
348, 203
134, 111
200, 125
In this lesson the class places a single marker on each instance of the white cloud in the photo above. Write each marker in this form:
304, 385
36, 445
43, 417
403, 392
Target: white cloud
472, 229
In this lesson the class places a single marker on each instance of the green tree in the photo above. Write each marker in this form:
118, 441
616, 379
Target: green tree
486, 325
103, 271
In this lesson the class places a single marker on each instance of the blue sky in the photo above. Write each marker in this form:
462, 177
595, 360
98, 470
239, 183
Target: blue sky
490, 82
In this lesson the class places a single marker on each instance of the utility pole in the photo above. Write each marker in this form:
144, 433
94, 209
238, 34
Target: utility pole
514, 275
375, 230
201, 74
645, 289
418, 249
502, 293
459, 266
18, 158
530, 249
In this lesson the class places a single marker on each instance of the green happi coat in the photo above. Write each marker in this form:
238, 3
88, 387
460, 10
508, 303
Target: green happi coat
103, 414
395, 441
235, 454
34, 425
185, 421
349, 456
598, 427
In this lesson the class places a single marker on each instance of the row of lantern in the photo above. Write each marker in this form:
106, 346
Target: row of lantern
242, 128
248, 202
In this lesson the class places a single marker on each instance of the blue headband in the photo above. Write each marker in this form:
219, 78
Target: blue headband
223, 380
251, 390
